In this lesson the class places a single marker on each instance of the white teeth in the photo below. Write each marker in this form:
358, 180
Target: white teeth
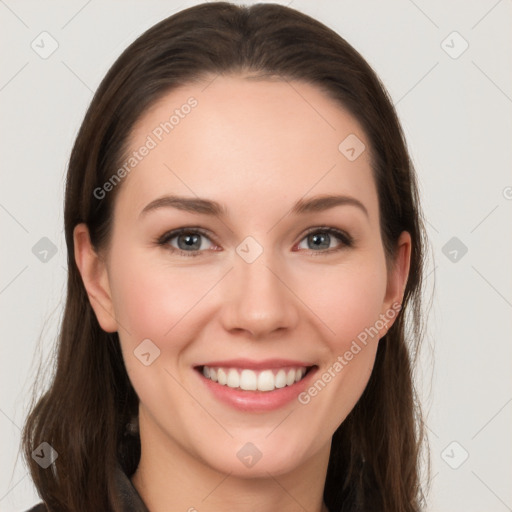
250, 380
266, 381
280, 379
233, 379
222, 378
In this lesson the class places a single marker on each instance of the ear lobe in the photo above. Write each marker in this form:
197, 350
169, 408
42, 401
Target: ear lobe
93, 271
397, 276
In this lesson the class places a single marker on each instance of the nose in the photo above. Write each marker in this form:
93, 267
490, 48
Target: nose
259, 301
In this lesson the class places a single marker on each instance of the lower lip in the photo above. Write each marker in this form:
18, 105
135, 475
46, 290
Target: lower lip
258, 401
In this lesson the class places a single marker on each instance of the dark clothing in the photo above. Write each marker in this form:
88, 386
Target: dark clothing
128, 495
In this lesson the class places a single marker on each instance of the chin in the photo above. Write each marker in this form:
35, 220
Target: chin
258, 459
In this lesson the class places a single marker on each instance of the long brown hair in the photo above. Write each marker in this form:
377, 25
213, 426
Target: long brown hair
376, 452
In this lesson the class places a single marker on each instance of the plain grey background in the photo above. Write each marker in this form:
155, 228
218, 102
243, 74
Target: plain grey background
446, 66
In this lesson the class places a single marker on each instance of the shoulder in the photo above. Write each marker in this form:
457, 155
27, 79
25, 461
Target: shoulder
40, 507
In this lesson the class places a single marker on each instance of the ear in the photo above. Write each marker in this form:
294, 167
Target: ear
397, 278
94, 274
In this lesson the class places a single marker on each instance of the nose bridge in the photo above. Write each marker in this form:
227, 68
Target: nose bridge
260, 303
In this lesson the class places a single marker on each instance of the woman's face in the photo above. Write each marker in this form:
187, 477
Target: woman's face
279, 269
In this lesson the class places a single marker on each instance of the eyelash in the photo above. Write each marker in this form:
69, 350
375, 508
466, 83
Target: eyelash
346, 240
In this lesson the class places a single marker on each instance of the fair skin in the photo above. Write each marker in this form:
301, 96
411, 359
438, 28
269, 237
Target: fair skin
255, 147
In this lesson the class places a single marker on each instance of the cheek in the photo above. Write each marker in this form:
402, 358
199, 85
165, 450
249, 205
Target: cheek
153, 300
349, 301
150, 299
347, 298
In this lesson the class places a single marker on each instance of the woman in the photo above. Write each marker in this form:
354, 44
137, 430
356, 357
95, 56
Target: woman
244, 241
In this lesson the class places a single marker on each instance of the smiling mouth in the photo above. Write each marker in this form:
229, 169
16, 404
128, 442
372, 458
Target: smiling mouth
253, 380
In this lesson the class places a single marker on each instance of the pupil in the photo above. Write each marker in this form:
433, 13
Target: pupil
189, 242
321, 241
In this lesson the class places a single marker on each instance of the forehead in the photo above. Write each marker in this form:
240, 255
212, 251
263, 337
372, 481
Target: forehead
241, 140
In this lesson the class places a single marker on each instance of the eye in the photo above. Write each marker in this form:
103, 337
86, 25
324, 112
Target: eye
187, 241
325, 240
194, 241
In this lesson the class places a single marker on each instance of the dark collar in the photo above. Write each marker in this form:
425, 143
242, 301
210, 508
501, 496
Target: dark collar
129, 498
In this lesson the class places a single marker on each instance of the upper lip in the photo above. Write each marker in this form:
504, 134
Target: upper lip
256, 365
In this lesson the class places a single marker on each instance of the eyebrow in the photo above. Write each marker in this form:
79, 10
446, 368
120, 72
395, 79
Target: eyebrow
209, 207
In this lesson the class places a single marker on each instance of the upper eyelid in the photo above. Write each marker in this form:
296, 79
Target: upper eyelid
169, 235
339, 233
